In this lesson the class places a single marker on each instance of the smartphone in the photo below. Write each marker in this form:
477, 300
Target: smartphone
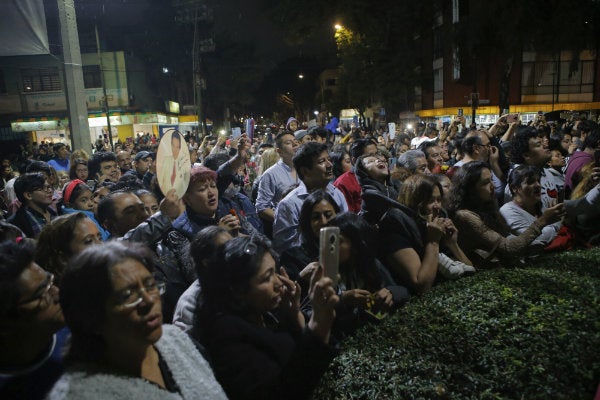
561, 196
504, 111
329, 252
460, 112
512, 118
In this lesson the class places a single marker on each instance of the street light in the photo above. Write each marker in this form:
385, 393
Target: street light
300, 76
338, 27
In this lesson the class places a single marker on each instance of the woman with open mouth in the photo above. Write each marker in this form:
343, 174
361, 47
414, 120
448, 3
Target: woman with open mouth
526, 206
119, 347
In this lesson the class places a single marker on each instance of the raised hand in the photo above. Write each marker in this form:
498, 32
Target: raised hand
324, 299
171, 205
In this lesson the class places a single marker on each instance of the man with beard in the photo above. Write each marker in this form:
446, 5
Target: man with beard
124, 161
315, 171
477, 146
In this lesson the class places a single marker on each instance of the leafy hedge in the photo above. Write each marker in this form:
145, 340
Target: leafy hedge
524, 333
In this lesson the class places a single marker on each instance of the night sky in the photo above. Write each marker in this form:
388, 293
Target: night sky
147, 30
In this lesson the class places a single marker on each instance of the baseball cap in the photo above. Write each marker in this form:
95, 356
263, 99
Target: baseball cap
299, 134
142, 155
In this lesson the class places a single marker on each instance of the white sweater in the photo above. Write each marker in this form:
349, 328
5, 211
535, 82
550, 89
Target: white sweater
190, 371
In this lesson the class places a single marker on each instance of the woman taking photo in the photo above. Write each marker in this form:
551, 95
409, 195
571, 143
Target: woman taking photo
526, 205
484, 235
119, 347
256, 355
317, 210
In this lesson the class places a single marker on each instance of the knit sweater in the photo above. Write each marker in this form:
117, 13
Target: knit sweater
191, 372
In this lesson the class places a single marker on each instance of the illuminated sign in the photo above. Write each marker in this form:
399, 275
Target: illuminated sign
172, 107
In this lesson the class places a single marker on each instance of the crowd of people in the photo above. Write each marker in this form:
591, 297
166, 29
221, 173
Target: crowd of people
111, 289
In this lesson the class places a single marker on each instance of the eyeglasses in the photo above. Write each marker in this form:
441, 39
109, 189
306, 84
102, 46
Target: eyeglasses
45, 188
130, 298
44, 297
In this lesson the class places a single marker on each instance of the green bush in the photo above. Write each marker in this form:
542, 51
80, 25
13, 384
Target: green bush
522, 333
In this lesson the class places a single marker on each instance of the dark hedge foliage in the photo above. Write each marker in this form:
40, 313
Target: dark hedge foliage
522, 333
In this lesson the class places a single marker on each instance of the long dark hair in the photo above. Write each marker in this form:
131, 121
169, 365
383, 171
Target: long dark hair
337, 159
226, 275
54, 243
309, 241
362, 269
463, 197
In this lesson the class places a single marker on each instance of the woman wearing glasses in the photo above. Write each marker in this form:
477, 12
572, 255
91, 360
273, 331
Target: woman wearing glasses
119, 347
251, 324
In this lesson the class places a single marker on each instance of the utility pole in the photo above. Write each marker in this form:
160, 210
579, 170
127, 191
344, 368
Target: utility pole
105, 97
74, 88
202, 13
197, 78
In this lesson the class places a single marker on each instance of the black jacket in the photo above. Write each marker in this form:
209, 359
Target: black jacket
255, 362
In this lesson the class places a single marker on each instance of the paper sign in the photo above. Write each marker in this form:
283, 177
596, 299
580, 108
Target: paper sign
173, 163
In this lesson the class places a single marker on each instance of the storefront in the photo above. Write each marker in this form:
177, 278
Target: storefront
488, 115
124, 127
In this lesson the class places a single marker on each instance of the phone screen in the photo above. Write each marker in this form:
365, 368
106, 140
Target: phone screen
561, 196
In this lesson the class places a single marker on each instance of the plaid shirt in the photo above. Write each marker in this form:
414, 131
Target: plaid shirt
30, 221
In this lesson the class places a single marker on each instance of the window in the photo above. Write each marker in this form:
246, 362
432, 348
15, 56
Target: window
40, 79
91, 76
438, 80
456, 63
438, 45
330, 82
540, 77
